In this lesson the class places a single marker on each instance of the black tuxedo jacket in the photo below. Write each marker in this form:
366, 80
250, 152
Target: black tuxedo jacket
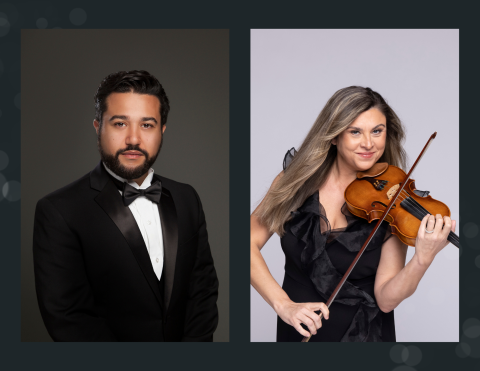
93, 274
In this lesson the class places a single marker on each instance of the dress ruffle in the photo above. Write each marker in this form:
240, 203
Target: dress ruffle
310, 225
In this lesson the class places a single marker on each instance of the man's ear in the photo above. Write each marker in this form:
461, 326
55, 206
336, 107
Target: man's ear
96, 125
163, 128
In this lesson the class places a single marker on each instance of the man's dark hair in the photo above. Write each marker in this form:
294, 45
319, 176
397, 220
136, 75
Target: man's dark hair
140, 82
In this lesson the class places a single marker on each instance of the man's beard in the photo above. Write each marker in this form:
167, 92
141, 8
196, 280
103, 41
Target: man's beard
114, 164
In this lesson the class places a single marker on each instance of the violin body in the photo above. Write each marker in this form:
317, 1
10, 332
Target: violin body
369, 195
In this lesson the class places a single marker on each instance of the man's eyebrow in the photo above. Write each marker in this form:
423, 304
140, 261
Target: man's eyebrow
123, 117
149, 119
118, 117
360, 129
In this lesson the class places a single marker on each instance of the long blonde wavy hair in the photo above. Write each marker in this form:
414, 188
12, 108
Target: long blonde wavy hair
313, 161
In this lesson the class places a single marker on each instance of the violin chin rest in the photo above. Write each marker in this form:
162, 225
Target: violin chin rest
375, 170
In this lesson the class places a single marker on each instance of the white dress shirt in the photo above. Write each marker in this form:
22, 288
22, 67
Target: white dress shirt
147, 217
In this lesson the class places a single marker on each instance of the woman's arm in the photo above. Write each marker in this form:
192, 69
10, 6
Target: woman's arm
396, 281
262, 280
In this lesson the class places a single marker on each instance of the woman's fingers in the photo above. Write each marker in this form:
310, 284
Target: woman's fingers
307, 321
317, 320
321, 307
438, 224
300, 329
296, 314
430, 224
423, 225
447, 225
306, 315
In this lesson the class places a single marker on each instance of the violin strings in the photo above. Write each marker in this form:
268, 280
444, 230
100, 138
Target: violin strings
413, 202
452, 237
421, 212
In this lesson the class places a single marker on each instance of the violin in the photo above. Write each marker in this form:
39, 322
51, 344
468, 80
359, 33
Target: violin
368, 196
386, 193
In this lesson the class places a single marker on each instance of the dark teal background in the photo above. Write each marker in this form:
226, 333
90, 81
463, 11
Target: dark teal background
239, 18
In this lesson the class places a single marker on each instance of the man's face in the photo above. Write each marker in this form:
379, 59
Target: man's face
131, 134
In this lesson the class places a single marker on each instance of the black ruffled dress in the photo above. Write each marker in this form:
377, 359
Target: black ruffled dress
316, 260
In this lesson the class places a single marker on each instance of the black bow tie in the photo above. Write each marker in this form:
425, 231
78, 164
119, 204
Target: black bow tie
130, 193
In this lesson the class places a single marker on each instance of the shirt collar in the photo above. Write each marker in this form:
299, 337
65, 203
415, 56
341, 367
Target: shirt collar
146, 183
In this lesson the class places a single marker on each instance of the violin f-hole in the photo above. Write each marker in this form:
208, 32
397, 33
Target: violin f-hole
381, 203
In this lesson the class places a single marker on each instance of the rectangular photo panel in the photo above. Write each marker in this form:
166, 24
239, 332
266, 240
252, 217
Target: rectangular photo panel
125, 167
337, 116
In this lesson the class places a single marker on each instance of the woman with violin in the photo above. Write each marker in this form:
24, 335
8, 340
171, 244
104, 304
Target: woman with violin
321, 237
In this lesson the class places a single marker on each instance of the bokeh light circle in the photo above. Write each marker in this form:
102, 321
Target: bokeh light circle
3, 160
462, 350
470, 230
10, 11
11, 190
3, 181
396, 353
42, 23
471, 328
412, 355
473, 345
4, 25
78, 16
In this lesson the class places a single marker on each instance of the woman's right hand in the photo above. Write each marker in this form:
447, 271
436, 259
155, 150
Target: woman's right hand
295, 314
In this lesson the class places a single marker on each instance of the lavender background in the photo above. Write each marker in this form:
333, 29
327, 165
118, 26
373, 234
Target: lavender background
295, 72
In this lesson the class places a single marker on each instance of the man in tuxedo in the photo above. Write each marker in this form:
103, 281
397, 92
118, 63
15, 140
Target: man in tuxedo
122, 254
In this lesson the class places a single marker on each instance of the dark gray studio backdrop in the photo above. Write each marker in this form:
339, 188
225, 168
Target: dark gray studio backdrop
61, 70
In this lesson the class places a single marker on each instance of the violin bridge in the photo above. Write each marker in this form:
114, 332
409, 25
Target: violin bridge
391, 192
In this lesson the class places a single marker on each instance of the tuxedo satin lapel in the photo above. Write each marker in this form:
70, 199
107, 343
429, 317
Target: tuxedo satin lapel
111, 202
168, 217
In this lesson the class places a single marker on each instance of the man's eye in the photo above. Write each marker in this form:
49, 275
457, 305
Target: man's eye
119, 124
148, 125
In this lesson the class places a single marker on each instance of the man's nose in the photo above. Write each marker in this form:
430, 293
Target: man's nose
133, 135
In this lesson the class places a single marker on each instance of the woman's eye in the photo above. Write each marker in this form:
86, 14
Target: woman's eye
377, 131
355, 132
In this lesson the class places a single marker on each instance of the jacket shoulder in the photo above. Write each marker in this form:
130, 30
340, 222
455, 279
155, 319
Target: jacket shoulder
182, 193
70, 191
174, 186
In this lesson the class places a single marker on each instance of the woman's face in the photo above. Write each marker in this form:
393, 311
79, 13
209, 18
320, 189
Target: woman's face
363, 142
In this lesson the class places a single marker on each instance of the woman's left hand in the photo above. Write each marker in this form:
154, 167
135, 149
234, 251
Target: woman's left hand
427, 245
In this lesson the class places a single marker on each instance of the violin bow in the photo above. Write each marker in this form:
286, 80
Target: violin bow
372, 233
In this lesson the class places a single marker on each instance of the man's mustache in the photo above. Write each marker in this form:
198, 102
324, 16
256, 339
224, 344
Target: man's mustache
132, 148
